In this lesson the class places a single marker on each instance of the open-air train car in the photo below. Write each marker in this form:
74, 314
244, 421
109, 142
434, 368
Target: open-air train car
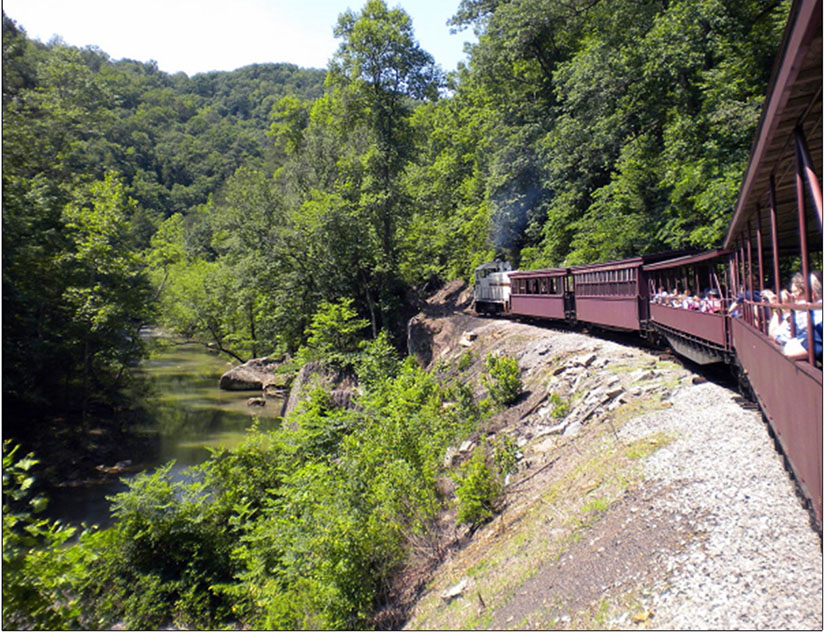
700, 335
777, 230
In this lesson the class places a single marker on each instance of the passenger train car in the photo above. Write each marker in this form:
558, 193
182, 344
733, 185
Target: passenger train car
719, 306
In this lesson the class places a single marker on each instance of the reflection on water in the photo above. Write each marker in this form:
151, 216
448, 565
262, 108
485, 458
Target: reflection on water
186, 413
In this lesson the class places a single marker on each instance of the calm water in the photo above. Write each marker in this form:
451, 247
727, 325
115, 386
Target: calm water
187, 415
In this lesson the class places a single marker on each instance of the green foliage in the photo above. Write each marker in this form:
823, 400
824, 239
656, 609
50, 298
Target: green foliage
505, 455
502, 379
561, 407
478, 490
377, 361
465, 361
333, 334
42, 574
158, 564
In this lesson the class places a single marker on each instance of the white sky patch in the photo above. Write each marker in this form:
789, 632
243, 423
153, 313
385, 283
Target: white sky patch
201, 35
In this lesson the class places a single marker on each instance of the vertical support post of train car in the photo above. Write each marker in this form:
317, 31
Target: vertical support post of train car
760, 248
774, 236
803, 157
742, 285
802, 240
750, 293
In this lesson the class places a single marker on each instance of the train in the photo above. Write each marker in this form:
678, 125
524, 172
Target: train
721, 305
641, 294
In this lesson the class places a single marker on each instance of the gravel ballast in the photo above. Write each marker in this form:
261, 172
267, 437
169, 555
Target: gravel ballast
760, 563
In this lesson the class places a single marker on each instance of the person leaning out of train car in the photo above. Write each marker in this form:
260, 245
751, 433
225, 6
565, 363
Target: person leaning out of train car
735, 307
780, 329
796, 347
780, 325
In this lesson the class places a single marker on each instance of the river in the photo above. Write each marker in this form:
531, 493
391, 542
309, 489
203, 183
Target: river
186, 414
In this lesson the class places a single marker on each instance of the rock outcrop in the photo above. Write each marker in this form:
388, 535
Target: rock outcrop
443, 318
251, 376
340, 384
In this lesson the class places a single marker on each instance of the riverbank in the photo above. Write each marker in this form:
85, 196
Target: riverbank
172, 409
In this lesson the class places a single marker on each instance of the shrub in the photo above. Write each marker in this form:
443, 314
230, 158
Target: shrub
561, 407
377, 361
503, 380
41, 573
465, 361
333, 335
479, 490
158, 564
505, 455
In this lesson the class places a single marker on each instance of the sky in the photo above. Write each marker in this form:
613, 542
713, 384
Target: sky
196, 36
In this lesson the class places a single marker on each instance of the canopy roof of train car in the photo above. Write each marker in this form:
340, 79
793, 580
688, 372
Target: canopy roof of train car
544, 272
686, 260
794, 99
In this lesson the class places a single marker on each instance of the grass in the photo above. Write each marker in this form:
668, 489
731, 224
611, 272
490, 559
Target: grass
648, 445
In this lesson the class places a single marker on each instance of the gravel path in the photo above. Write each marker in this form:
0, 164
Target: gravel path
760, 563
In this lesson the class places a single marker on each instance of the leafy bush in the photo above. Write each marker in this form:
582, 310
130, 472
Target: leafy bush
377, 361
465, 361
561, 407
479, 489
503, 380
333, 335
41, 574
158, 564
505, 455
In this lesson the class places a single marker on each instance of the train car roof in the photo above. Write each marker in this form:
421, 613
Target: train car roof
688, 259
794, 98
543, 272
630, 262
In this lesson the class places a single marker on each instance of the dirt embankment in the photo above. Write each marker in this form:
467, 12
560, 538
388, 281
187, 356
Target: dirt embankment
646, 496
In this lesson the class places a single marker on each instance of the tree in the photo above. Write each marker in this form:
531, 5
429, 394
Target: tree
107, 294
377, 71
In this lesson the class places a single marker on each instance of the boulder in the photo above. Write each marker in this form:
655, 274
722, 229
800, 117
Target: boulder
455, 591
251, 376
340, 384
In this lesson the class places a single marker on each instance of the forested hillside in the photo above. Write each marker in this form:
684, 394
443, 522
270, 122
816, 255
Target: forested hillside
276, 209
97, 155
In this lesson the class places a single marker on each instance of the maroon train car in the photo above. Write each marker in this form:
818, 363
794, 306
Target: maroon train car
614, 294
542, 293
700, 333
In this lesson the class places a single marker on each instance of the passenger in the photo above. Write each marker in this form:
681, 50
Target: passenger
735, 310
796, 347
778, 328
713, 302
